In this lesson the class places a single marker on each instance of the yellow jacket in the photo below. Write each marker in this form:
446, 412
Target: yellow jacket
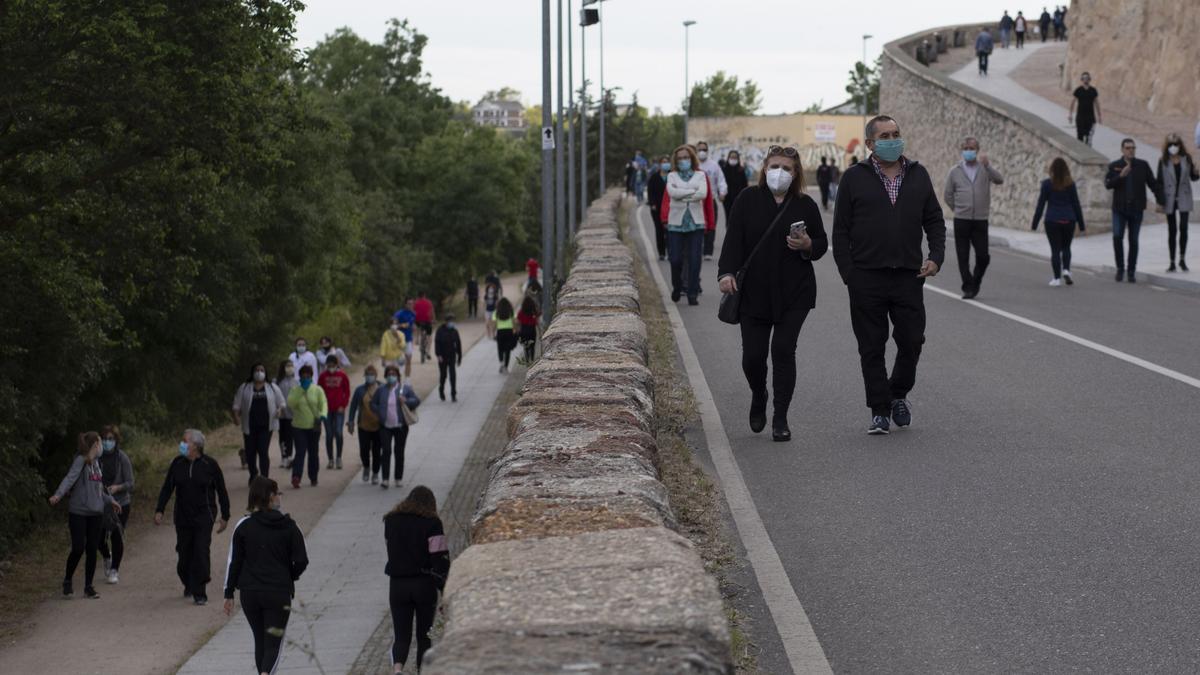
391, 345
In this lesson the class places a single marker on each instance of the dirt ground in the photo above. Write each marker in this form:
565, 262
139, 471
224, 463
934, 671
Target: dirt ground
1040, 74
143, 625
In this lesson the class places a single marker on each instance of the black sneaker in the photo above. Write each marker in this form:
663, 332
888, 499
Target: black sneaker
692, 301
1132, 279
880, 426
68, 589
442, 394
675, 295
758, 412
780, 433
1183, 266
901, 414
1172, 267
1120, 275
90, 593
200, 600
187, 595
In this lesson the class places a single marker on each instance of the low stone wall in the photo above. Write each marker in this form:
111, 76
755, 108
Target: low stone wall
575, 564
935, 113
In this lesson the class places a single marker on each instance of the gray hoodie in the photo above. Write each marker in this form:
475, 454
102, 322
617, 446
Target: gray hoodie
86, 485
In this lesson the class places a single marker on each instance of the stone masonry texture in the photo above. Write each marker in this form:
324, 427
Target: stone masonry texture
574, 562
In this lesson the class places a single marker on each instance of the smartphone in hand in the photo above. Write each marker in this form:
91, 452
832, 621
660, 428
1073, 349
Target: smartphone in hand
797, 228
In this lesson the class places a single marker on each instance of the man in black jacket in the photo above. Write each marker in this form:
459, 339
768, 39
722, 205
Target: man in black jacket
656, 186
1128, 178
447, 346
823, 182
884, 205
199, 486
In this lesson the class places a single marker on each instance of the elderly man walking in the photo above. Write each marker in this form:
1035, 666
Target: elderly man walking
885, 206
969, 195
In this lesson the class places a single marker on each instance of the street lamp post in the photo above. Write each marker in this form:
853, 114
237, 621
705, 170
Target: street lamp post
603, 97
687, 81
560, 186
865, 86
571, 212
547, 165
587, 17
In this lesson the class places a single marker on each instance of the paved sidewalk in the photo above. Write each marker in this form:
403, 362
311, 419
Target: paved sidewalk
343, 595
1093, 252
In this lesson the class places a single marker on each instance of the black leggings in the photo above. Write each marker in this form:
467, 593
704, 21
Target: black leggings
448, 370
85, 538
504, 345
393, 442
1182, 234
118, 540
285, 437
267, 612
757, 342
368, 449
1060, 236
411, 596
258, 452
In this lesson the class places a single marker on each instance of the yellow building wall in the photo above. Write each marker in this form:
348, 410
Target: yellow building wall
835, 136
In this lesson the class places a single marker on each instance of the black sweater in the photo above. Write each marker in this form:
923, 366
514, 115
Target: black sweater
198, 486
869, 232
778, 279
416, 547
447, 343
1141, 176
266, 554
655, 187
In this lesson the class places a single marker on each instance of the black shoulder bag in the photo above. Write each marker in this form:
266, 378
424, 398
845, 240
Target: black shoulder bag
730, 310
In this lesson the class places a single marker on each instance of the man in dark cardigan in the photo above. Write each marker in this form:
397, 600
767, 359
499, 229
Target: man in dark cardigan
884, 207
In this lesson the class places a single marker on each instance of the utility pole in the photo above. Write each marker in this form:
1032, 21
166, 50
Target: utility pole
548, 143
572, 213
560, 186
865, 85
687, 80
603, 99
587, 17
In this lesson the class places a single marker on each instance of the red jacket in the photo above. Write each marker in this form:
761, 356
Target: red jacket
710, 211
337, 389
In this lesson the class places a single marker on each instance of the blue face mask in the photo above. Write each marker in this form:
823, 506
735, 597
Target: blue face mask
889, 150
970, 155
685, 165
305, 382
666, 166
370, 379
107, 445
183, 448
391, 379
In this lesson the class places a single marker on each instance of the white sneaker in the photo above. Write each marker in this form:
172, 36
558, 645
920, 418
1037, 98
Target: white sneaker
708, 257
1056, 282
329, 465
338, 462
107, 566
396, 483
374, 479
112, 577
366, 474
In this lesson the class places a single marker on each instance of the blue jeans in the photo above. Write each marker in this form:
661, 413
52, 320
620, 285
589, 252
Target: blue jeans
333, 433
691, 245
1121, 221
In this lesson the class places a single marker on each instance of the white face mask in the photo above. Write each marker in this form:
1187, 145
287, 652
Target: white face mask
778, 180
259, 376
1173, 149
702, 154
733, 162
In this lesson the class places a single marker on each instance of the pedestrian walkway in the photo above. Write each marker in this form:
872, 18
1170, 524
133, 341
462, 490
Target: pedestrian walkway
1091, 252
343, 595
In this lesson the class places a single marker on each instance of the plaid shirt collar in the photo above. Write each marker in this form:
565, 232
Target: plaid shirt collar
892, 186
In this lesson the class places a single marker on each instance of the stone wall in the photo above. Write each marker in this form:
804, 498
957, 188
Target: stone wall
1146, 49
935, 113
575, 564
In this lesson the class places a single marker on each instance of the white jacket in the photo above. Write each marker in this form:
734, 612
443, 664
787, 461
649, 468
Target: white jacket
687, 196
716, 177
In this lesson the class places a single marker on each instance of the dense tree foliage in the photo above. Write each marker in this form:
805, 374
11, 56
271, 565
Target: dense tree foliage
864, 85
180, 190
721, 95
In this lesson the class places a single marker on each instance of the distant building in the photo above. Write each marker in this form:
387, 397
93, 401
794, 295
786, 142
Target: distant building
506, 115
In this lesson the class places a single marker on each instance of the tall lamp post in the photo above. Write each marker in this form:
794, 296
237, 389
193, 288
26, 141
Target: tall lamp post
687, 81
560, 186
571, 212
866, 87
603, 96
547, 165
587, 17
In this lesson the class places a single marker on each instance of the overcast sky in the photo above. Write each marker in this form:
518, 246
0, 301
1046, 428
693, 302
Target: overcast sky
798, 51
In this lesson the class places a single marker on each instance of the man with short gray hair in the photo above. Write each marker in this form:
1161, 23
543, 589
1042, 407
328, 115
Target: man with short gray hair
885, 206
969, 195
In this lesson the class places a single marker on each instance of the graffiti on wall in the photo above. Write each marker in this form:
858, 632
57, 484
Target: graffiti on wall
754, 150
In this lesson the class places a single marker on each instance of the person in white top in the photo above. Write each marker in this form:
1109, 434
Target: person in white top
1197, 145
716, 178
302, 357
327, 348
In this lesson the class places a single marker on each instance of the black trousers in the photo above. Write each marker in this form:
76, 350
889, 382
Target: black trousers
710, 241
285, 437
983, 62
1083, 130
1060, 236
85, 539
411, 597
393, 442
1182, 229
192, 544
761, 337
117, 537
472, 307
308, 446
824, 187
258, 451
875, 297
660, 232
448, 370
970, 234
368, 449
1020, 39
267, 613
505, 341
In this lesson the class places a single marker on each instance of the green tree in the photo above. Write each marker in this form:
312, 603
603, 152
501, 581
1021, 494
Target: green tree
721, 95
864, 80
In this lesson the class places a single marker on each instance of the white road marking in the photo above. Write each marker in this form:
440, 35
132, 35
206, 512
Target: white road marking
1083, 342
803, 650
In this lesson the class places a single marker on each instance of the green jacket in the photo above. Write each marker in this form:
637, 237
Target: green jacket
308, 407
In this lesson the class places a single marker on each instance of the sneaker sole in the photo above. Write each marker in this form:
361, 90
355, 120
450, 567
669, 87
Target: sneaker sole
877, 432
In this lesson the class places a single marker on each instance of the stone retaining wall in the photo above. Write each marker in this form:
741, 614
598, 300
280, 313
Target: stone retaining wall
575, 564
935, 113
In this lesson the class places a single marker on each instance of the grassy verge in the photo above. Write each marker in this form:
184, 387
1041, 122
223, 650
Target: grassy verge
35, 574
695, 499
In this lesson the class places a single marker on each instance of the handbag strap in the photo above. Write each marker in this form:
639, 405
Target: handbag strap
778, 216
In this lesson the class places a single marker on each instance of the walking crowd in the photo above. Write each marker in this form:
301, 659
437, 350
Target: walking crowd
311, 394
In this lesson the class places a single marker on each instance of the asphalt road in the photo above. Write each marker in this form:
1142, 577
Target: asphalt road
1042, 514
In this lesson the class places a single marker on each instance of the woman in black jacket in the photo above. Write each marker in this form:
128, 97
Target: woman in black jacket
266, 557
656, 187
418, 562
735, 178
779, 285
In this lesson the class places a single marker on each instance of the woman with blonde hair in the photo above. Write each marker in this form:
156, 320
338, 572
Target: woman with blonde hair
1060, 201
687, 192
1176, 171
